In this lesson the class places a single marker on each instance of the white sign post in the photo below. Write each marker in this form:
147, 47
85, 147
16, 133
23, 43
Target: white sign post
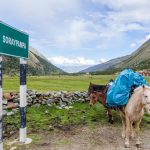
23, 90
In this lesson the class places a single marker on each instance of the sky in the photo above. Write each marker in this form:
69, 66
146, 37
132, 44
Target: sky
75, 34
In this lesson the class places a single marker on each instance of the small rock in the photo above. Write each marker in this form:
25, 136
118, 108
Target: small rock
11, 105
50, 101
4, 113
49, 105
29, 99
51, 128
10, 113
46, 111
33, 96
5, 102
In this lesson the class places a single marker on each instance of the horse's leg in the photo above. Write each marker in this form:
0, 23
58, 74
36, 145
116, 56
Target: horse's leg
110, 117
123, 123
137, 131
127, 132
132, 131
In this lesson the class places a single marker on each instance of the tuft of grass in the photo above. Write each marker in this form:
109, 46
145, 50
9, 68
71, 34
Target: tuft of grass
63, 142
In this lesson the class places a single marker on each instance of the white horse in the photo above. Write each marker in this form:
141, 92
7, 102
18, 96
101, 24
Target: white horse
133, 113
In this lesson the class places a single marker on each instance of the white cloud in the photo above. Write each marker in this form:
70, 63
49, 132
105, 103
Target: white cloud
79, 32
102, 60
133, 45
76, 61
127, 15
143, 40
147, 36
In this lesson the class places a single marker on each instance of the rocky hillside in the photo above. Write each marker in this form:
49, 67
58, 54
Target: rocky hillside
106, 65
37, 65
140, 59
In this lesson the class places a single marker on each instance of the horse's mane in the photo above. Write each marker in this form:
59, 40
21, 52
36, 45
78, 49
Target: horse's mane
141, 87
96, 87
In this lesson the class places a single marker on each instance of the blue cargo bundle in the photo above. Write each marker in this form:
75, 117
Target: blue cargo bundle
119, 92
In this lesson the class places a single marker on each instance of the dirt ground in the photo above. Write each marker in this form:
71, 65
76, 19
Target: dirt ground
98, 137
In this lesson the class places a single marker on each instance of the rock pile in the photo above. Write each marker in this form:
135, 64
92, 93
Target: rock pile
61, 99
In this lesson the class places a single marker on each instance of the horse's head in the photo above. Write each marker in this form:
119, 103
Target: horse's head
93, 98
146, 96
97, 96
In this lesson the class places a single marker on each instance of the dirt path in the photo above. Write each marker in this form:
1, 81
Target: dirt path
84, 138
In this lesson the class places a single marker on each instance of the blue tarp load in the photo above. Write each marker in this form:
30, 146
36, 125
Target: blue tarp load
119, 92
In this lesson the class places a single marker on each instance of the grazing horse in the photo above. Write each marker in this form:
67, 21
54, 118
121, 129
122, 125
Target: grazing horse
96, 87
133, 113
101, 97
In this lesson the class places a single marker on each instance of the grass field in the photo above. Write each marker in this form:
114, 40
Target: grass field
42, 117
57, 83
45, 118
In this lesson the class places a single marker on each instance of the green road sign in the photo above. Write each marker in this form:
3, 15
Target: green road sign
13, 42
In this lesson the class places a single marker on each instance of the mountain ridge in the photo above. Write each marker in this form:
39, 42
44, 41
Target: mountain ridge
139, 59
105, 65
37, 65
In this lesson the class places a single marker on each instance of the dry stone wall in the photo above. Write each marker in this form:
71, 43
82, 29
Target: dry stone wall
61, 99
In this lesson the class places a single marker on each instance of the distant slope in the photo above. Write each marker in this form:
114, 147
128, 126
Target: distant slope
140, 59
37, 65
106, 65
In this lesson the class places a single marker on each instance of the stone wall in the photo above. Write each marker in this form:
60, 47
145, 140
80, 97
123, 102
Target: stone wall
61, 99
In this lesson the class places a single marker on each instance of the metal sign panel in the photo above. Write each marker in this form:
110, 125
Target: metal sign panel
13, 42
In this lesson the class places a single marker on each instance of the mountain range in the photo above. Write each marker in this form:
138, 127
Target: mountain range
37, 65
40, 65
139, 59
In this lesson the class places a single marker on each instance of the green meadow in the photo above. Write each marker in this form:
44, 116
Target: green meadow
57, 83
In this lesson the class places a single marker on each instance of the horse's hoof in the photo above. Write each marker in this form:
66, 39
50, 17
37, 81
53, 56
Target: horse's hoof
126, 145
111, 121
138, 145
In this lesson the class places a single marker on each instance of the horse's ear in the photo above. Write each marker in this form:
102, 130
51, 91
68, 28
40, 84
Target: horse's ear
90, 83
144, 88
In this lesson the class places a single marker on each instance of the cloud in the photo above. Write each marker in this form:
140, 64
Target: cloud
102, 60
143, 40
133, 45
76, 61
147, 36
89, 26
79, 32
131, 15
